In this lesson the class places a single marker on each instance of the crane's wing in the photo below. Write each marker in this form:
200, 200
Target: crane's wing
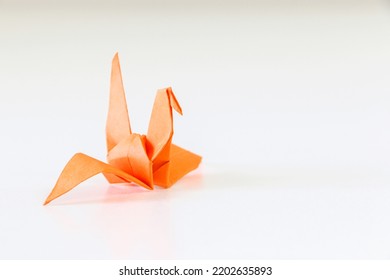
82, 167
118, 123
181, 162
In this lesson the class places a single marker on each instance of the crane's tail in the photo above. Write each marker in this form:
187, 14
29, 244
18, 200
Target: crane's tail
118, 122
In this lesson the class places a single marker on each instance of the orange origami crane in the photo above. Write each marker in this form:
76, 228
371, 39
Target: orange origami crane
142, 159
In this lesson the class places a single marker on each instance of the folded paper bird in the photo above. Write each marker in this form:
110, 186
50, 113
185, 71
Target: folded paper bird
145, 160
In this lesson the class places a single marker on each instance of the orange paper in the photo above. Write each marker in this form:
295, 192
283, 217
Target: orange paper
145, 160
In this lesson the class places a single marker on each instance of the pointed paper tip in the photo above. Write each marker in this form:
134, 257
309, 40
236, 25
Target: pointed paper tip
116, 57
47, 201
173, 101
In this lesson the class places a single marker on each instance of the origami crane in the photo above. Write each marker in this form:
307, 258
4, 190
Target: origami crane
145, 160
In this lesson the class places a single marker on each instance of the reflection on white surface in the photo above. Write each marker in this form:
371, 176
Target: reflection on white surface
129, 220
221, 211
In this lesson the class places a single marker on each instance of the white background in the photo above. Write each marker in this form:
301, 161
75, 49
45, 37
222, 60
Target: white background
287, 102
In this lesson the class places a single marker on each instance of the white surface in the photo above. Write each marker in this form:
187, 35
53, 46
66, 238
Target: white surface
288, 105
